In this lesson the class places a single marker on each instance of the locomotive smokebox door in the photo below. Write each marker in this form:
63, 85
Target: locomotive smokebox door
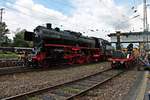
28, 36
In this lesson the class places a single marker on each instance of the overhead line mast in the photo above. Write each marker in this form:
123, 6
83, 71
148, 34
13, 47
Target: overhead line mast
1, 14
145, 24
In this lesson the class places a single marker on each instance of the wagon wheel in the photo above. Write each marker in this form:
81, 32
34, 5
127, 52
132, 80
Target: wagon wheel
71, 61
81, 60
130, 64
135, 62
104, 58
113, 65
127, 65
45, 64
88, 59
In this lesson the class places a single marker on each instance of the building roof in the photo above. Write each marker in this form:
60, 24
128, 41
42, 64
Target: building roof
129, 33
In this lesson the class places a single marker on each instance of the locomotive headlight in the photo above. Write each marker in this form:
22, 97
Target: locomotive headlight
122, 62
114, 62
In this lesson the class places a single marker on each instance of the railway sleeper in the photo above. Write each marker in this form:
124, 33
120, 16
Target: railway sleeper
68, 89
90, 82
77, 86
97, 79
106, 74
49, 96
60, 92
83, 84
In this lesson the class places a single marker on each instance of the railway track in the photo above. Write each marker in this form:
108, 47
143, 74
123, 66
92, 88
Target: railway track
22, 69
10, 62
69, 90
19, 69
14, 69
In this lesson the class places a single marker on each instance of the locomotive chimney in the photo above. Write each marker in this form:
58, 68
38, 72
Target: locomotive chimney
49, 26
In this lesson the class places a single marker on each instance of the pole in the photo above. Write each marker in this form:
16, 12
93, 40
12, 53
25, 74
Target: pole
1, 14
1, 20
145, 24
118, 44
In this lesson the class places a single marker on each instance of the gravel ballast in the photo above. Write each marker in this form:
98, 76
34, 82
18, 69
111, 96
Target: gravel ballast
115, 89
25, 82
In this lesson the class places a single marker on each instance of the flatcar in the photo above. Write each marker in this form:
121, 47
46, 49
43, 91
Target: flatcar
122, 60
53, 46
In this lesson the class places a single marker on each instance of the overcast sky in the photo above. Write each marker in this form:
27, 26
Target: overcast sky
93, 17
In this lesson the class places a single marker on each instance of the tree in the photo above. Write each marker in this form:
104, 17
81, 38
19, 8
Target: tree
18, 40
4, 40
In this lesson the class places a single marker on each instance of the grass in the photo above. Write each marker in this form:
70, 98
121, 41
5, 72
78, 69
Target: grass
8, 55
71, 90
33, 98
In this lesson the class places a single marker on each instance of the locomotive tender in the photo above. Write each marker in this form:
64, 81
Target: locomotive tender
53, 46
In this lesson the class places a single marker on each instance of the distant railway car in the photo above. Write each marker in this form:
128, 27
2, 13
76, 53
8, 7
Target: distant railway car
4, 49
55, 46
15, 49
22, 49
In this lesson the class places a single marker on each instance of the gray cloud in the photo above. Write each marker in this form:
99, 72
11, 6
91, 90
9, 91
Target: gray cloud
103, 15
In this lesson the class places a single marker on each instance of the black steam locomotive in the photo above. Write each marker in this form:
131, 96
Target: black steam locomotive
53, 46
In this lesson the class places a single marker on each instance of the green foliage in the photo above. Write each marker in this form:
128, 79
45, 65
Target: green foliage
33, 98
69, 89
3, 29
4, 40
18, 40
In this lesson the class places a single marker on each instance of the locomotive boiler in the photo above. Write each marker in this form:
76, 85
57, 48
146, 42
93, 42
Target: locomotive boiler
53, 46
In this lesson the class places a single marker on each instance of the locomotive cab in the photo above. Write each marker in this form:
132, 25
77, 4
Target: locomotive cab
28, 36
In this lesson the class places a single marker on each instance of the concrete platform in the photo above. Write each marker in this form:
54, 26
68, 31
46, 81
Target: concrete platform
147, 92
140, 87
143, 87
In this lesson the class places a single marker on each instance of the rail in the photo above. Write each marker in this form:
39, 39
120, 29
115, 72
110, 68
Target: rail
71, 89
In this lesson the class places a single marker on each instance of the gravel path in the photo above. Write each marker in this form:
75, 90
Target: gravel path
24, 82
116, 89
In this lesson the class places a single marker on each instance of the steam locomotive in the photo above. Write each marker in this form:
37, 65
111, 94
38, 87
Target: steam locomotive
53, 46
